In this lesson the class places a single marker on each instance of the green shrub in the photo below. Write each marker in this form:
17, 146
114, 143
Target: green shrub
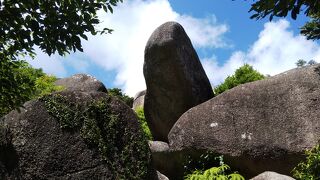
45, 85
20, 83
143, 123
214, 173
310, 168
116, 92
208, 166
242, 75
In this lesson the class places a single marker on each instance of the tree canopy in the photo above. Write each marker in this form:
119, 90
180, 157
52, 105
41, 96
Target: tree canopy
242, 75
20, 83
53, 26
281, 8
302, 62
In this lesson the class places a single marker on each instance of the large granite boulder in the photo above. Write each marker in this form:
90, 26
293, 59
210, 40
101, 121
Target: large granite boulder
174, 77
268, 175
74, 135
261, 126
138, 100
81, 82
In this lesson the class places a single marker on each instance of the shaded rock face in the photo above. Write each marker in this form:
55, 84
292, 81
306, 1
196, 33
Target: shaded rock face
174, 77
138, 100
169, 163
258, 126
272, 176
41, 143
81, 82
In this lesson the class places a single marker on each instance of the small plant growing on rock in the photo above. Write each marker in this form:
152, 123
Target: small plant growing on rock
214, 173
143, 123
116, 92
310, 168
209, 166
124, 151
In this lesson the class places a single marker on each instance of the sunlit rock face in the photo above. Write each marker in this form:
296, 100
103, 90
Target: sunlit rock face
258, 126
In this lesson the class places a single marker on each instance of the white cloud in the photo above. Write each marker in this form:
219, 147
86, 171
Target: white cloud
51, 65
123, 51
204, 33
276, 50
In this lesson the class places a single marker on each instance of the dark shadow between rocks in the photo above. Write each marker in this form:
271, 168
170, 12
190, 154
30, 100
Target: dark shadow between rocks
9, 160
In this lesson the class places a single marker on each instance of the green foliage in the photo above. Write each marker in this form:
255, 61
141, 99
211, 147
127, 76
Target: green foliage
302, 62
312, 28
53, 26
125, 152
143, 123
20, 83
208, 166
310, 168
15, 87
214, 173
242, 75
116, 92
312, 62
204, 161
281, 8
45, 85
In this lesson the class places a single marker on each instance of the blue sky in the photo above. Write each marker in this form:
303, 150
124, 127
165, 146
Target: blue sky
221, 31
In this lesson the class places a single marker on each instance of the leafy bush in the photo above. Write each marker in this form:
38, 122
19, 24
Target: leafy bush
208, 166
143, 123
242, 75
116, 92
45, 85
214, 173
309, 169
20, 83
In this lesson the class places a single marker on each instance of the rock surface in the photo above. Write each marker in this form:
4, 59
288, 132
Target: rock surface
272, 176
258, 126
161, 176
138, 100
168, 162
37, 144
81, 82
174, 77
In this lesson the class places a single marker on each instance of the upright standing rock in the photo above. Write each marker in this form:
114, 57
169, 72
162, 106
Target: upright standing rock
138, 100
174, 76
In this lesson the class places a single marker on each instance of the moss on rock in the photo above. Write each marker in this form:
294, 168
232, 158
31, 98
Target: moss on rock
122, 147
